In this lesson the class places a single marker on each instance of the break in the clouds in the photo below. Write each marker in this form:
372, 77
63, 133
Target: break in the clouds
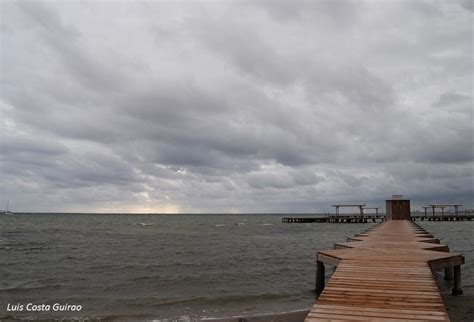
234, 106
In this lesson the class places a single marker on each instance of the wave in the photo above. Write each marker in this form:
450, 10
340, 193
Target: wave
143, 224
287, 316
31, 288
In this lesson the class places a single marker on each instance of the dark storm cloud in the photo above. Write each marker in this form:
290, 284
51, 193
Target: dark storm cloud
247, 52
467, 4
454, 102
239, 106
64, 42
32, 146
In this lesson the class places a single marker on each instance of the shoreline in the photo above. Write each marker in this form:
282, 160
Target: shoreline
459, 308
290, 316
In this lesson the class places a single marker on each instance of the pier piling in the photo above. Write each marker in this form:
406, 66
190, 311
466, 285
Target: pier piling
448, 274
320, 277
457, 281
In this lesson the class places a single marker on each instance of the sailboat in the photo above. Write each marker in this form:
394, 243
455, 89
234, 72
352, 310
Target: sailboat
8, 212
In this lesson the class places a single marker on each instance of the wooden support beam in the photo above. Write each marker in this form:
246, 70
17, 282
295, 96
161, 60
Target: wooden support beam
330, 260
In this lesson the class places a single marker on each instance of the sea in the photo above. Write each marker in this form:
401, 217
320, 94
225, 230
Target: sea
175, 267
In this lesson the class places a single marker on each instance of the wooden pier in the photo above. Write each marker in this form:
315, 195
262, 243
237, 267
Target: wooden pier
386, 274
367, 218
444, 217
335, 219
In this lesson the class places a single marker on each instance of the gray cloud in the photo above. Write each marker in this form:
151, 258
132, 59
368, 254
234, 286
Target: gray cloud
251, 106
64, 42
467, 4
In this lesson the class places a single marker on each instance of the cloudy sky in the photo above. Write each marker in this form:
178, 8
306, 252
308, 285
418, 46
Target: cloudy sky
235, 106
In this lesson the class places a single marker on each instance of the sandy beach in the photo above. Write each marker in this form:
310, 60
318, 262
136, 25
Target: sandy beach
294, 316
459, 308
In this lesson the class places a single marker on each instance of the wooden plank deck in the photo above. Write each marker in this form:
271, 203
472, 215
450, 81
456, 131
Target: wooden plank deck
385, 274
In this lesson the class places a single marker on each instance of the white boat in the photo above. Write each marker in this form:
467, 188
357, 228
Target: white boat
7, 212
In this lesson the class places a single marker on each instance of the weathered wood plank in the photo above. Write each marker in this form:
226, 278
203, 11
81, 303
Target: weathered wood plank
385, 274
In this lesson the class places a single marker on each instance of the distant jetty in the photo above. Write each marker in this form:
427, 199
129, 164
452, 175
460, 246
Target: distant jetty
356, 218
363, 217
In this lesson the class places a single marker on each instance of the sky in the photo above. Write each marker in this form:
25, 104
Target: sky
235, 106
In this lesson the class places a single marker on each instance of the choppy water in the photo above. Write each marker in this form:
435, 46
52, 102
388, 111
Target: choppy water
174, 265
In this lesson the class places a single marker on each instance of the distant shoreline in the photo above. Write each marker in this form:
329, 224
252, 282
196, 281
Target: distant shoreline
167, 214
291, 214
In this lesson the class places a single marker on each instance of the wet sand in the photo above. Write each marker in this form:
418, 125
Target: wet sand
460, 308
294, 316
